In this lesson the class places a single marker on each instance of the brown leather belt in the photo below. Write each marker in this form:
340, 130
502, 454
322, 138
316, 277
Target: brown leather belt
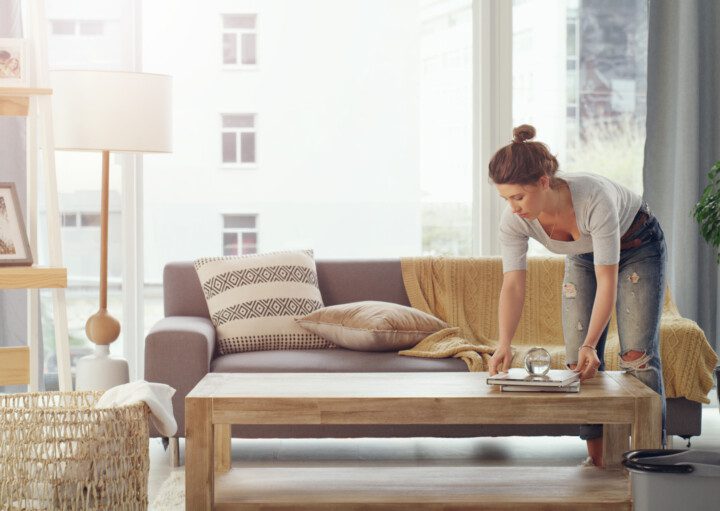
641, 217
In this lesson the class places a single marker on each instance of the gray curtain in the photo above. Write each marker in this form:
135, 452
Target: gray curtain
683, 142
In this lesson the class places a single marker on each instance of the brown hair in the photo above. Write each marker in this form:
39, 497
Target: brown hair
523, 161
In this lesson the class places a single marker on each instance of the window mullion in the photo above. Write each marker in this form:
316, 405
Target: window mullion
492, 113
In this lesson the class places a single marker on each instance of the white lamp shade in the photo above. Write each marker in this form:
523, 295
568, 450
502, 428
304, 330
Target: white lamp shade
112, 111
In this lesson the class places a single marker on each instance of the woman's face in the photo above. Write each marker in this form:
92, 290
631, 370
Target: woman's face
526, 201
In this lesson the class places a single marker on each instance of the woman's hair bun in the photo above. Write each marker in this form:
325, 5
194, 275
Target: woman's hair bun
522, 133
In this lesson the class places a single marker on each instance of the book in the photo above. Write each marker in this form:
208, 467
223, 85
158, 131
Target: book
554, 378
571, 388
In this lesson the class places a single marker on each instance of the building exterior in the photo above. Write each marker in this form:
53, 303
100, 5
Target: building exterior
293, 129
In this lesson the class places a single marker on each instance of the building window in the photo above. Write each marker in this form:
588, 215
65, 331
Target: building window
91, 28
69, 220
75, 219
238, 139
239, 235
78, 27
89, 219
572, 110
239, 40
63, 27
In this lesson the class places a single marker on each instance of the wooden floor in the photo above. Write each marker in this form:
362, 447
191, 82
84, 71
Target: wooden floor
465, 460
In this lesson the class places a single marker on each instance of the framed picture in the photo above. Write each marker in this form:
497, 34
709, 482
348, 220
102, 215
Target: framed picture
13, 68
14, 245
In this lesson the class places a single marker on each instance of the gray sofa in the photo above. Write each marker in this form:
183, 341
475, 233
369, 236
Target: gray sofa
180, 350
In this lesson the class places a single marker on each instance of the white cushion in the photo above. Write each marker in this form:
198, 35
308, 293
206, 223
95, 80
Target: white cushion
254, 300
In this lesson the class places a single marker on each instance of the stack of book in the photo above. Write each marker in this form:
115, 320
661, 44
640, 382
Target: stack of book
519, 380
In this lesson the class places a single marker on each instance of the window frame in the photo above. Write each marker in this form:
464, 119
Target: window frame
238, 142
95, 215
239, 231
238, 32
492, 123
492, 114
574, 60
67, 215
77, 27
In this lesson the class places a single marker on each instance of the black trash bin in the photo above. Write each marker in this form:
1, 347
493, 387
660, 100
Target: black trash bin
672, 480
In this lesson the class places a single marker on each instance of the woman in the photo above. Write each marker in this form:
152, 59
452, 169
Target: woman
616, 256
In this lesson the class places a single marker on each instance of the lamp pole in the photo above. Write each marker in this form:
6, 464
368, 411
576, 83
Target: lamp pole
99, 371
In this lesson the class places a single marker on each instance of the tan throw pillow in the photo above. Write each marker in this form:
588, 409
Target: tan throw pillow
372, 326
254, 299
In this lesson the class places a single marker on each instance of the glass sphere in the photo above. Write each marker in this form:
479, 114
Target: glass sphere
537, 361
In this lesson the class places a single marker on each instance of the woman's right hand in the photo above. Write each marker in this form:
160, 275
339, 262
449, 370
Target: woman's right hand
500, 360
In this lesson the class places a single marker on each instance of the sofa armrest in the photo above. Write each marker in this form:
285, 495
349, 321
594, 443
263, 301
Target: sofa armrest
178, 352
687, 358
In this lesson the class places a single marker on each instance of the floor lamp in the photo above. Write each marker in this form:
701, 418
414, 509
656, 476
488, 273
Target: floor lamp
119, 112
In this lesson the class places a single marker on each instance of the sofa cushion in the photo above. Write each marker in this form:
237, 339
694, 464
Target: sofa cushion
254, 299
372, 325
338, 360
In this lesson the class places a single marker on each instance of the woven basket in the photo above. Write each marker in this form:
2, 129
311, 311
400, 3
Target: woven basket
59, 452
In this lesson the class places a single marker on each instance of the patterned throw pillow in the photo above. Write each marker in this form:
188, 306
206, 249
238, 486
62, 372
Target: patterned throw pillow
254, 299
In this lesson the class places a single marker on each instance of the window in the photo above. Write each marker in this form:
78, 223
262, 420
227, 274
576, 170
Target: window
582, 83
573, 75
90, 219
77, 27
91, 28
74, 219
445, 127
239, 235
367, 142
63, 27
238, 138
239, 40
69, 220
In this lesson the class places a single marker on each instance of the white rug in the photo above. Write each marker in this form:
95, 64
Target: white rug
171, 496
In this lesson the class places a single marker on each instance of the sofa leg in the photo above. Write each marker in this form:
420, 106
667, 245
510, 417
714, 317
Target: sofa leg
223, 447
174, 452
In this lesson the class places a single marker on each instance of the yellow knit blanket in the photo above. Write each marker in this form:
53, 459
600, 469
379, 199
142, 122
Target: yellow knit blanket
464, 292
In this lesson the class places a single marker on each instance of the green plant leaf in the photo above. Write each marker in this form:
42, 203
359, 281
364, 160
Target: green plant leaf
707, 210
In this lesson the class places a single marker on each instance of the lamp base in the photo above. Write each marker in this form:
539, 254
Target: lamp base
100, 371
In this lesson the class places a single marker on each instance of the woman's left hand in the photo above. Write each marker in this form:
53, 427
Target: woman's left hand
588, 363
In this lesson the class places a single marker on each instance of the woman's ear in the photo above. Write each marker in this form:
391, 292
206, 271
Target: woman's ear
544, 182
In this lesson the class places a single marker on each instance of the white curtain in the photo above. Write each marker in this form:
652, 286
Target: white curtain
683, 142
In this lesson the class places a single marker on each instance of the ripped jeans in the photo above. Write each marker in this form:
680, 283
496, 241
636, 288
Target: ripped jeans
640, 296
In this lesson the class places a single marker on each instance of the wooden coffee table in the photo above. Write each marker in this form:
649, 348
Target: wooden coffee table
626, 407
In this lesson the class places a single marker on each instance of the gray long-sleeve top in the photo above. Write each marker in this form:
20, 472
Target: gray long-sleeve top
604, 210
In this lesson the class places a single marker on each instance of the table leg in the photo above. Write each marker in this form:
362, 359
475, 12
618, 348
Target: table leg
199, 466
647, 427
223, 447
174, 448
616, 440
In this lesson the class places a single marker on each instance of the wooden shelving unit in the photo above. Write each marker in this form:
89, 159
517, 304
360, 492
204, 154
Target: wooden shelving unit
15, 101
15, 361
22, 362
32, 277
15, 365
